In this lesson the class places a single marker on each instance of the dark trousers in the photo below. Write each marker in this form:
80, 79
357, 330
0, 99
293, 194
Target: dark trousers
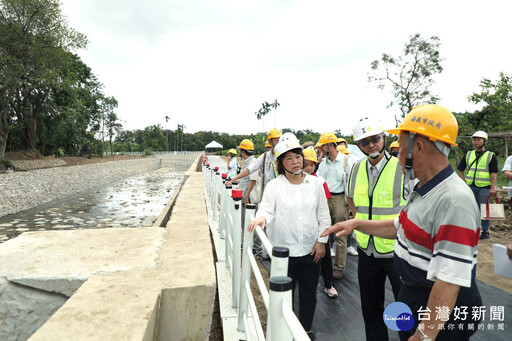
326, 265
372, 274
417, 297
305, 272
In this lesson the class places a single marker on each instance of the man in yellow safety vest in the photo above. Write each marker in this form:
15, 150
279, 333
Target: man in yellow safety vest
375, 191
481, 168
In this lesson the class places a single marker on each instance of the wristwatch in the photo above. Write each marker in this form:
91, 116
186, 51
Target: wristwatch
423, 336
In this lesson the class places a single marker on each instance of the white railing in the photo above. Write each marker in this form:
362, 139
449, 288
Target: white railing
282, 323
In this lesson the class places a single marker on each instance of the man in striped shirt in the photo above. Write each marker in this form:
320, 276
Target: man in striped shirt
437, 231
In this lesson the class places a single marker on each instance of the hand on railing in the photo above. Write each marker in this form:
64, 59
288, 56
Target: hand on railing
318, 251
261, 221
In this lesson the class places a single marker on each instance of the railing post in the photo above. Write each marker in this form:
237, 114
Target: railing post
216, 187
246, 266
280, 290
279, 264
222, 210
228, 230
237, 195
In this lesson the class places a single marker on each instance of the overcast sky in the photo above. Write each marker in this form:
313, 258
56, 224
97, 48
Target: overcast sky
210, 64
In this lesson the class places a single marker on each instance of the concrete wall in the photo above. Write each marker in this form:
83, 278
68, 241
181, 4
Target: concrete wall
137, 284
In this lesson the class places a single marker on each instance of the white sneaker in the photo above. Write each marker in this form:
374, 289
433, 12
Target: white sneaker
331, 292
352, 251
333, 254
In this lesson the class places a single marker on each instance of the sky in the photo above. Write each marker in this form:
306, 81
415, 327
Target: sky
209, 64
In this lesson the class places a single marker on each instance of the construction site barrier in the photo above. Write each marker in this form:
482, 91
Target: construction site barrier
226, 205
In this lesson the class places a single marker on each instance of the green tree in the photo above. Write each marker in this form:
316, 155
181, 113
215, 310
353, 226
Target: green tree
411, 75
153, 138
496, 114
34, 37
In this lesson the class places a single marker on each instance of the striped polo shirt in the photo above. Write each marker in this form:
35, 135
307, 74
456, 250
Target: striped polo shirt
438, 232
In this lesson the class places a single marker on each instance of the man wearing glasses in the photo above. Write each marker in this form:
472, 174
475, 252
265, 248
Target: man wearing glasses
375, 192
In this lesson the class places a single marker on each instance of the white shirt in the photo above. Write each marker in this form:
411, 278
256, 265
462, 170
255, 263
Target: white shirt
334, 172
508, 167
298, 214
243, 183
232, 168
269, 166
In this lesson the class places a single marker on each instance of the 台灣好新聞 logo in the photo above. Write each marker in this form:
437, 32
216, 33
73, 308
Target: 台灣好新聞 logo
398, 316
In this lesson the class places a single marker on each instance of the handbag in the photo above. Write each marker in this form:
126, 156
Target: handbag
492, 211
257, 191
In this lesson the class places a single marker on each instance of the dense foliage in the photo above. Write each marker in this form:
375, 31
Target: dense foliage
50, 101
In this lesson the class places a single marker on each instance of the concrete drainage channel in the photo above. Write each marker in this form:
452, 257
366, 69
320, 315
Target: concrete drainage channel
116, 283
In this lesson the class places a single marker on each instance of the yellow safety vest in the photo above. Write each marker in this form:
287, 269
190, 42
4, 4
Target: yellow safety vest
385, 202
478, 170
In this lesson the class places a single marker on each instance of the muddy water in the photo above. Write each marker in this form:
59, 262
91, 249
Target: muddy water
134, 202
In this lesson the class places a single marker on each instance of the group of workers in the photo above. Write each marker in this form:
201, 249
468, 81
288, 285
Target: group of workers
414, 221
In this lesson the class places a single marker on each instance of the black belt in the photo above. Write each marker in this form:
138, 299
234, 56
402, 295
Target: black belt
412, 284
341, 193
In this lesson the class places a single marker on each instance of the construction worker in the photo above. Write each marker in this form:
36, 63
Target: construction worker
375, 191
233, 166
295, 206
267, 146
394, 147
481, 168
436, 232
333, 168
266, 162
310, 163
343, 149
247, 183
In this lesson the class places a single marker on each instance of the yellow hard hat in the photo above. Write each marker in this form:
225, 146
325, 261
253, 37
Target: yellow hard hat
267, 144
326, 138
394, 145
343, 149
341, 139
430, 120
232, 151
273, 133
246, 144
309, 154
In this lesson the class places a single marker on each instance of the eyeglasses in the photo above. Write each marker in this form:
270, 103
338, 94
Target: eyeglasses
374, 140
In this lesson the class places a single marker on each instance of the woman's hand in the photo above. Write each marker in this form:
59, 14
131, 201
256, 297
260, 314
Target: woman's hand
318, 251
344, 228
261, 221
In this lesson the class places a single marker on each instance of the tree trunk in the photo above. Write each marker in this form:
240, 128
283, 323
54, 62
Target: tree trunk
4, 123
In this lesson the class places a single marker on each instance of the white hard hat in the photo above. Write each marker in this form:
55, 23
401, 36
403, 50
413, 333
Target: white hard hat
481, 134
287, 141
366, 128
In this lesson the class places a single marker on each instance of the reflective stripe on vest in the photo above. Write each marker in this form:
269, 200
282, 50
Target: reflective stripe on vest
478, 172
385, 202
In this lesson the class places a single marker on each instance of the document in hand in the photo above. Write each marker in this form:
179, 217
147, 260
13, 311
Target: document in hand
502, 265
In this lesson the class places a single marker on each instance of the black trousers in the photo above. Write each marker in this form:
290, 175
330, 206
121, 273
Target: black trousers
417, 297
326, 265
372, 273
305, 272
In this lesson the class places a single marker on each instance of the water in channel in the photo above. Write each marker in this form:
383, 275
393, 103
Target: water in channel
130, 203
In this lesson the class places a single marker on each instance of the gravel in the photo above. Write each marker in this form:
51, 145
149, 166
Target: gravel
23, 190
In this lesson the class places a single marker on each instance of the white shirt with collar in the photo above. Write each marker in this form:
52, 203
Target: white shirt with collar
297, 214
334, 172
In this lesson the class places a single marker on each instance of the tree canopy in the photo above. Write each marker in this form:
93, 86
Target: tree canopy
410, 76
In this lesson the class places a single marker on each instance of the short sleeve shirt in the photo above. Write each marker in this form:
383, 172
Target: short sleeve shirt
438, 232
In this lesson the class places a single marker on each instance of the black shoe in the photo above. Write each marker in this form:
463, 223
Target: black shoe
484, 235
